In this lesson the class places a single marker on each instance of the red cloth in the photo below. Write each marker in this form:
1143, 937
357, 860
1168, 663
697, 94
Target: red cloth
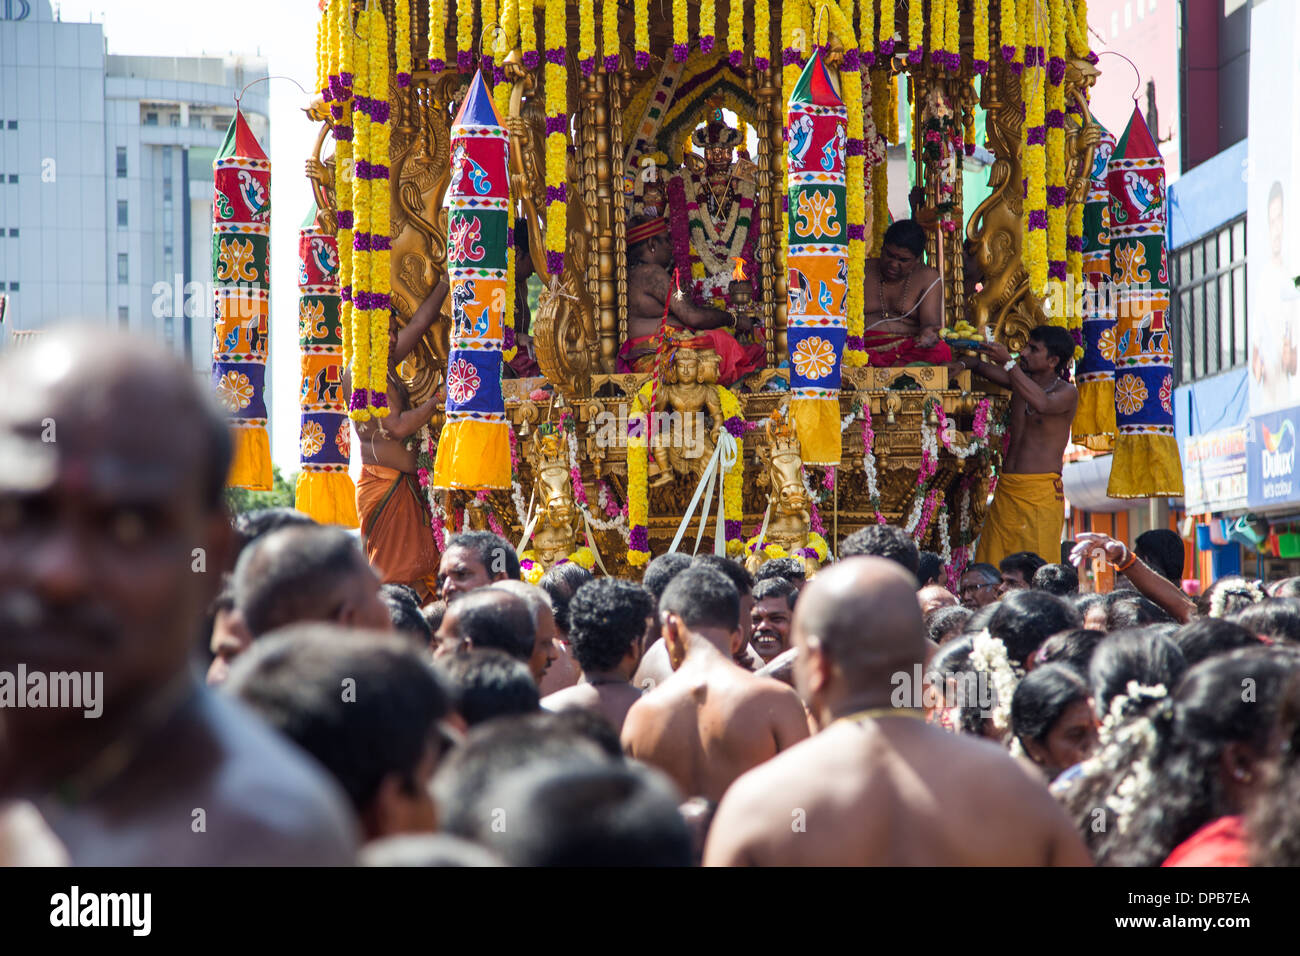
1219, 843
735, 361
888, 350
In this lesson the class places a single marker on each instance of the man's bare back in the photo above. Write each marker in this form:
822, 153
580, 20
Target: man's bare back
892, 792
612, 701
710, 722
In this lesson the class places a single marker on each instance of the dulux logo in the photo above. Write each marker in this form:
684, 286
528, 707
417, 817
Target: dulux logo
16, 9
1278, 456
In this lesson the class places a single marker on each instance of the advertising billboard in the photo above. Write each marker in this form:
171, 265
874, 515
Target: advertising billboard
1271, 459
1215, 471
1273, 207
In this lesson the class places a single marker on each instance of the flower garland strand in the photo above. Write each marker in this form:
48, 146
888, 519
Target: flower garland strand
638, 432
856, 189
587, 36
464, 35
980, 48
867, 33
528, 35
735, 33
952, 41
680, 26
402, 41
708, 26
344, 136
762, 35
437, 36
1055, 116
642, 29
380, 243
359, 406
487, 12
506, 35
938, 55
887, 30
557, 140
609, 34
1034, 144
915, 31
1009, 34
869, 462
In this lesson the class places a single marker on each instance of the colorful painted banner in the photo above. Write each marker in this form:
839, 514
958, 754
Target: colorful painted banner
818, 260
241, 279
474, 448
1146, 452
1094, 424
325, 490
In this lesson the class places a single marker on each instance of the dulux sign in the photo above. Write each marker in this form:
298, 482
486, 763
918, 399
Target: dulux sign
1271, 458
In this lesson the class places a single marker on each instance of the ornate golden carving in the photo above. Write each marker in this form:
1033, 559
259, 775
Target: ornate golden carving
555, 535
679, 441
781, 464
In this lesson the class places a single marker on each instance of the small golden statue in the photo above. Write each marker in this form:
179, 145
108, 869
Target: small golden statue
681, 437
556, 533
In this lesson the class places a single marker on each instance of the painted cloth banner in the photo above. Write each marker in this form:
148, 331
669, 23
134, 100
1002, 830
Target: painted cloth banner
1094, 423
241, 279
325, 490
818, 260
1146, 453
474, 448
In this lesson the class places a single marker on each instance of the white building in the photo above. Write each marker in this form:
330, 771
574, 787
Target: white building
106, 178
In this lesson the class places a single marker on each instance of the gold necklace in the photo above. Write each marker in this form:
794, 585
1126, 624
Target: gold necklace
875, 713
880, 294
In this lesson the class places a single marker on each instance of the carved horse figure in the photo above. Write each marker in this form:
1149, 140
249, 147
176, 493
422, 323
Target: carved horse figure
782, 475
555, 535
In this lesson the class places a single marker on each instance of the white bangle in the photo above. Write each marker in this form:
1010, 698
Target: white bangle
1011, 363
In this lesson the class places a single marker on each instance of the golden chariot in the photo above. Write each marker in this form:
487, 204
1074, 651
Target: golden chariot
580, 322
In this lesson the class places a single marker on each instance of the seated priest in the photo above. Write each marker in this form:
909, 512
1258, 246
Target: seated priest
903, 302
650, 287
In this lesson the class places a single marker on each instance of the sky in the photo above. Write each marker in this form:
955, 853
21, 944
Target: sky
284, 32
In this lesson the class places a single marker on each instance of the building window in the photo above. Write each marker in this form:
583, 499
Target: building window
167, 190
121, 162
121, 214
13, 124
1207, 296
13, 287
13, 232
150, 119
13, 178
123, 316
174, 119
123, 269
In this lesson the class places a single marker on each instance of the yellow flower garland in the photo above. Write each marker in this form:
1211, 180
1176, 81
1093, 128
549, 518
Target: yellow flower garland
952, 28
609, 29
915, 24
402, 35
586, 30
557, 104
790, 23
867, 25
487, 12
1009, 30
938, 10
322, 29
708, 19
642, 30
464, 27
680, 27
887, 28
893, 109
343, 154
527, 31
380, 260
851, 82
361, 260
508, 29
736, 28
733, 483
1076, 24
1056, 215
438, 30
980, 26
1033, 83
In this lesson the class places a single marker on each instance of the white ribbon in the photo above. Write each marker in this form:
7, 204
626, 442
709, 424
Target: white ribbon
721, 462
591, 543
528, 527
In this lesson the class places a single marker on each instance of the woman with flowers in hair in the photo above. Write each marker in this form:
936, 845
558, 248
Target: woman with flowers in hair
1174, 783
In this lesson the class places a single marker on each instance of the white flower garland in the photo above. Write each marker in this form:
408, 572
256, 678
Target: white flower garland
1250, 589
945, 546
706, 238
847, 420
1115, 716
962, 452
913, 519
618, 523
989, 655
869, 470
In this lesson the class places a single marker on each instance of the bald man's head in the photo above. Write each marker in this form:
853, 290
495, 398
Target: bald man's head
855, 625
307, 573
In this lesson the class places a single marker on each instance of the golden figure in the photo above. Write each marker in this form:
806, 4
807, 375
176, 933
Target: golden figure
678, 440
556, 533
782, 475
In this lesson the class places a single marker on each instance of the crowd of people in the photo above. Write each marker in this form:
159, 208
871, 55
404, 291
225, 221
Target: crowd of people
861, 714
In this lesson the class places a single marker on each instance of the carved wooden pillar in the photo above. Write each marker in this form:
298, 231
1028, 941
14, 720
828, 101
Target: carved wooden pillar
601, 216
618, 84
772, 305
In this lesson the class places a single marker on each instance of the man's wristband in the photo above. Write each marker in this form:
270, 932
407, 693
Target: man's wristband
1010, 363
1127, 562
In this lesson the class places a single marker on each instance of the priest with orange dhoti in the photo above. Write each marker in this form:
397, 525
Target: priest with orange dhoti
655, 301
903, 299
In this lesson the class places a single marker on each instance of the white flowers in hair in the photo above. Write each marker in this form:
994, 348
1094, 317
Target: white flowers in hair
1117, 713
989, 656
1246, 589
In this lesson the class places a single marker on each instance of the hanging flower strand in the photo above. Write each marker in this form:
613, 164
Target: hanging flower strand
609, 34
402, 42
557, 140
437, 36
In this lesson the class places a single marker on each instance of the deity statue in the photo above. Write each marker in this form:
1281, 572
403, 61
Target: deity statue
678, 440
556, 533
712, 200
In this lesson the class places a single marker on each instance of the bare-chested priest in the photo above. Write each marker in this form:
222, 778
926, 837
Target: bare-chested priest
1028, 508
649, 286
878, 785
711, 720
390, 502
903, 302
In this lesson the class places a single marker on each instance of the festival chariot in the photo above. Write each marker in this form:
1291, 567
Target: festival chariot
587, 119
